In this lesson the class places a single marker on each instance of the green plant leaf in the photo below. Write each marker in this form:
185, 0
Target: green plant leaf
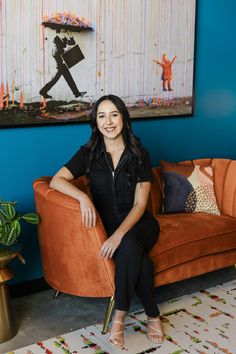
31, 218
3, 214
17, 227
9, 233
8, 210
8, 202
2, 218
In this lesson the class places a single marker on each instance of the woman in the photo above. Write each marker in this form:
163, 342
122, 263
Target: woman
119, 173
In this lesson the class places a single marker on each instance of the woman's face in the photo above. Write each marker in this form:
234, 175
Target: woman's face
109, 120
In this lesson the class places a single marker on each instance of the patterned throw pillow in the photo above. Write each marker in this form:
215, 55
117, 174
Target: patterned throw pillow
188, 188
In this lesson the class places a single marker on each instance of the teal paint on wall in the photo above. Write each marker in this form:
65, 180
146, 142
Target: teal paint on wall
27, 153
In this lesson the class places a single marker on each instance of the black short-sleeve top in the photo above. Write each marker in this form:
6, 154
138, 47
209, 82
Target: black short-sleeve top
112, 190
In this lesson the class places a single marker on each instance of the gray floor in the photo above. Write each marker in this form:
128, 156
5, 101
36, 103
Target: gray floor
40, 316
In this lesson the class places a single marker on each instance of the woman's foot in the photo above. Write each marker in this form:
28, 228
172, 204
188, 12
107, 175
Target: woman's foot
117, 329
117, 334
154, 330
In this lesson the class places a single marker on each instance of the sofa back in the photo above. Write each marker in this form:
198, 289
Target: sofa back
224, 184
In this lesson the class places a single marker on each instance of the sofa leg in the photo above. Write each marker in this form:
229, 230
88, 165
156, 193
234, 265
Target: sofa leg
56, 294
107, 319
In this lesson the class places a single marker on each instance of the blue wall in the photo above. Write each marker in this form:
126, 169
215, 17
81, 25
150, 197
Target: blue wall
27, 153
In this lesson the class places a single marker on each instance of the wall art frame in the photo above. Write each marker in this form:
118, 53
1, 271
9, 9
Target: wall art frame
58, 58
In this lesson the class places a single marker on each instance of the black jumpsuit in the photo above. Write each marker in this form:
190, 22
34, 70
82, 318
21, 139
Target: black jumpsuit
113, 196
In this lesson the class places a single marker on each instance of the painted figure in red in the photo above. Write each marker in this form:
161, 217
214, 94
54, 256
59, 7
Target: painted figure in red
166, 77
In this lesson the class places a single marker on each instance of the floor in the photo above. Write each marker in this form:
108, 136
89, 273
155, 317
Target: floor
40, 316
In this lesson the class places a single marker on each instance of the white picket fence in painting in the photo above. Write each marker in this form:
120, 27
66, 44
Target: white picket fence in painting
127, 35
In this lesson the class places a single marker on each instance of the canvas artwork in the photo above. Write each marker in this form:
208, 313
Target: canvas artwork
58, 57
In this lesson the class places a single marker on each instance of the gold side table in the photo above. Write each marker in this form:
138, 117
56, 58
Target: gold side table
7, 323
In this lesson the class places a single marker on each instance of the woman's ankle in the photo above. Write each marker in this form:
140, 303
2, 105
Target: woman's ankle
119, 316
153, 318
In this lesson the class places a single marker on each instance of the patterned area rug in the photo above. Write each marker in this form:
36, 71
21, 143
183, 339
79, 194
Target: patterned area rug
203, 322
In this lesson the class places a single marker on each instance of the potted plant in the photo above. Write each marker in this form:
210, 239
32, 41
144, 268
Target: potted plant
10, 229
10, 226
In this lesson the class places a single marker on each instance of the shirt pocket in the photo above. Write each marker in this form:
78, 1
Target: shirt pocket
125, 188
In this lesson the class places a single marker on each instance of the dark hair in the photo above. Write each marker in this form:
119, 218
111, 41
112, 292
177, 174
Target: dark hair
130, 140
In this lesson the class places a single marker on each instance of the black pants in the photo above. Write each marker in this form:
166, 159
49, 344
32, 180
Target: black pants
134, 269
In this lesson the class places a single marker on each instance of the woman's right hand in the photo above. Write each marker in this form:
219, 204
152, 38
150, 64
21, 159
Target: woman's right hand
88, 211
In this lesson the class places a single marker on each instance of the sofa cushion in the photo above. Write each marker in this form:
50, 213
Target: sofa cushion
188, 188
186, 236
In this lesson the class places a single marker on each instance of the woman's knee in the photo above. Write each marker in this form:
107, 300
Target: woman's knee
130, 246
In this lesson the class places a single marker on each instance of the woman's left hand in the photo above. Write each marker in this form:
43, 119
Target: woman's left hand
109, 246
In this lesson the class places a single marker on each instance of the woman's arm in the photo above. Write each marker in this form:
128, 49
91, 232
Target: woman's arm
173, 59
61, 182
140, 202
156, 61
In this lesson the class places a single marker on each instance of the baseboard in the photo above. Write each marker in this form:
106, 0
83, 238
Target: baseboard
28, 287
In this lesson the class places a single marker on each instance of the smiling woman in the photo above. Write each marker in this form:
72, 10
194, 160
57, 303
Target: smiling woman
110, 124
119, 172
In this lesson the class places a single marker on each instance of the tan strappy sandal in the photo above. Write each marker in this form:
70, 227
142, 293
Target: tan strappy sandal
156, 332
113, 340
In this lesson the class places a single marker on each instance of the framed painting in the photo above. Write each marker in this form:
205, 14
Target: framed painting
58, 57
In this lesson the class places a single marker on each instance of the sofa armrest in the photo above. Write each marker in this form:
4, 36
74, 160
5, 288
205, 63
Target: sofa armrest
229, 190
70, 251
41, 187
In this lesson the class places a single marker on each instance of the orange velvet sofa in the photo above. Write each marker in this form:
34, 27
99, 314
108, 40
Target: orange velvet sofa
190, 244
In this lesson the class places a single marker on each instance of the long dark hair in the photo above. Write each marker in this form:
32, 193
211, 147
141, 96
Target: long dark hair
96, 138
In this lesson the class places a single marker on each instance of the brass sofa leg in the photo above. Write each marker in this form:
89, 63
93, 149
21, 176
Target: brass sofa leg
56, 294
110, 307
